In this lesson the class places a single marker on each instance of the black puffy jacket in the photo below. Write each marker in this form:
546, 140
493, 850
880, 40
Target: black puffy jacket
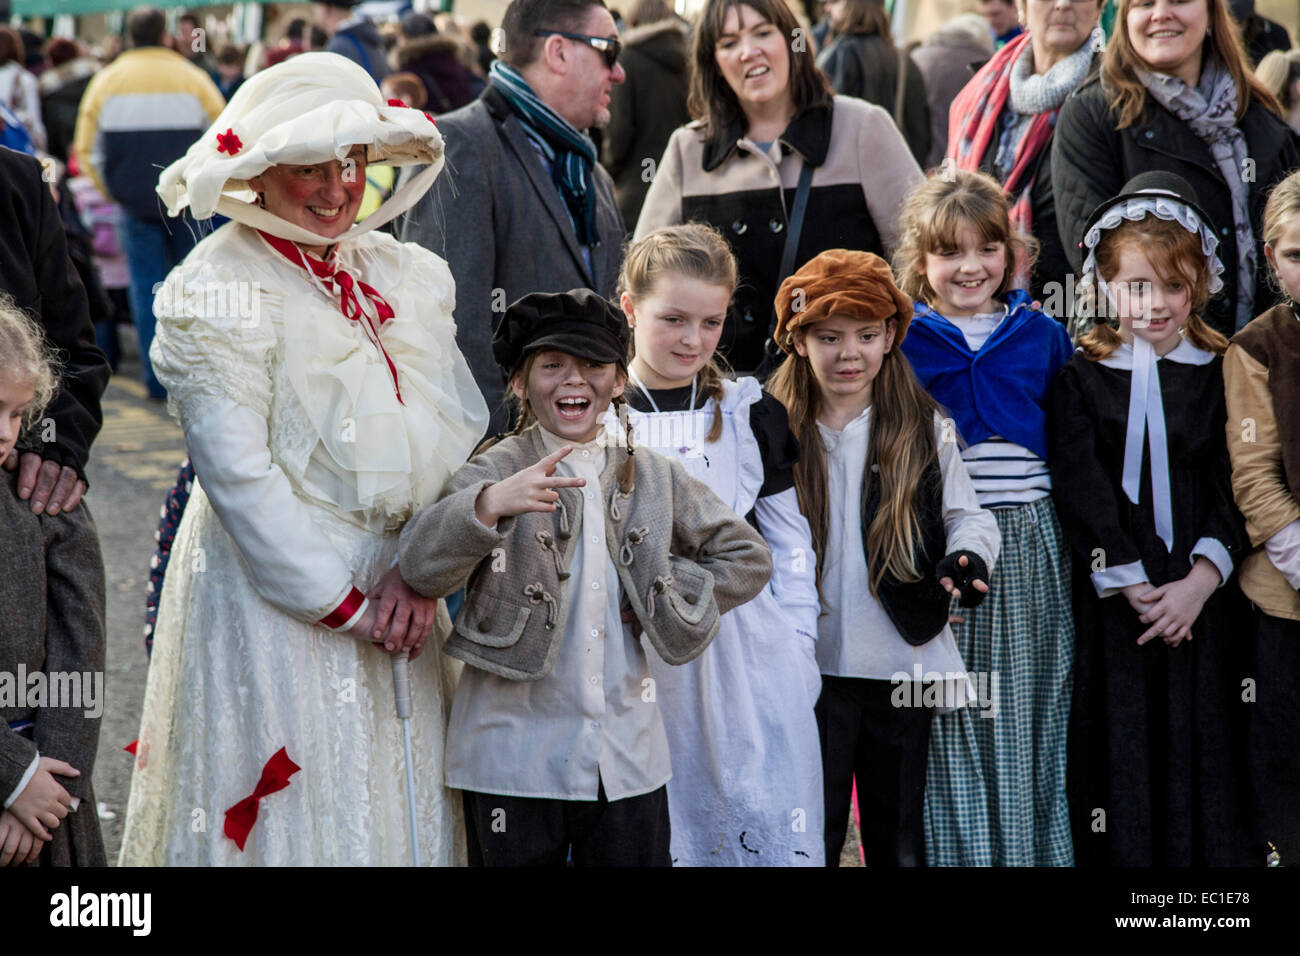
1092, 160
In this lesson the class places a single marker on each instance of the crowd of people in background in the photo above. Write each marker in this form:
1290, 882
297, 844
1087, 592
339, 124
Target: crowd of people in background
959, 315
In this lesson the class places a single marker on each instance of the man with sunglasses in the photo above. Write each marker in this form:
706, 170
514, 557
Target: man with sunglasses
524, 206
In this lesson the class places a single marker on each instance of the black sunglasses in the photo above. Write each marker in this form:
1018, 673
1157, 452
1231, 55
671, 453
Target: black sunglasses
610, 47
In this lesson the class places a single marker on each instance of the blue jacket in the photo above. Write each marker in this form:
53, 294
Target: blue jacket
1003, 388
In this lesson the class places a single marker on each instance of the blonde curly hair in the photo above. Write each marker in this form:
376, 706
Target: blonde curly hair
25, 357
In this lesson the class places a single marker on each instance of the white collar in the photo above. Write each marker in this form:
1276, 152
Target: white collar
1146, 419
1184, 353
553, 443
831, 437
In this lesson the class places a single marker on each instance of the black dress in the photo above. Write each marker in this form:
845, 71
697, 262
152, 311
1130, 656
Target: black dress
1155, 774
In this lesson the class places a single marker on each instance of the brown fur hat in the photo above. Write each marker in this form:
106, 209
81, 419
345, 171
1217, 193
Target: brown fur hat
840, 282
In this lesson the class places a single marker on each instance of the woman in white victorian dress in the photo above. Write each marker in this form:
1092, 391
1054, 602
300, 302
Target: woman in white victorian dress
313, 366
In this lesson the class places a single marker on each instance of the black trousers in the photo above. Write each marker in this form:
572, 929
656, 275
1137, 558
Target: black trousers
535, 831
1274, 731
864, 735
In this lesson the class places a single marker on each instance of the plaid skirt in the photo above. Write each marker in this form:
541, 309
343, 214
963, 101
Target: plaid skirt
995, 786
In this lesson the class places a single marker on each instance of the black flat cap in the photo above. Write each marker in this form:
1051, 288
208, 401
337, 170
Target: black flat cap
578, 322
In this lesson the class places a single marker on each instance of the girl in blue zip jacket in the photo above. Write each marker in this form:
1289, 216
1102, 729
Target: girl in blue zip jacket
995, 792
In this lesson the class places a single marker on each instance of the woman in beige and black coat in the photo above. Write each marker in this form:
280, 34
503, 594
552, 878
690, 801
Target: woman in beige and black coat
764, 113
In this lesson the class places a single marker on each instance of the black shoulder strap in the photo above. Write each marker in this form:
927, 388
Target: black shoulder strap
773, 352
796, 221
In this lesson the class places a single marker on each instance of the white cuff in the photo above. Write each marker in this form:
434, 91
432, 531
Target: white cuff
1113, 580
1212, 550
1283, 550
22, 784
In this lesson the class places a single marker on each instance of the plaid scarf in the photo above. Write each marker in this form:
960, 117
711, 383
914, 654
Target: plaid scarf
572, 154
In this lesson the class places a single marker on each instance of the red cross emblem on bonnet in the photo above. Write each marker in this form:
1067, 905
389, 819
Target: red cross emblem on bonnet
228, 142
402, 105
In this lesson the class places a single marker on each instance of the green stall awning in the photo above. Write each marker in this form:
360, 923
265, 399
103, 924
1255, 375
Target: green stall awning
54, 8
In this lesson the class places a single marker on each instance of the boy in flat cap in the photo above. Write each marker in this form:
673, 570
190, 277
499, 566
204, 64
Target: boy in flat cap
570, 545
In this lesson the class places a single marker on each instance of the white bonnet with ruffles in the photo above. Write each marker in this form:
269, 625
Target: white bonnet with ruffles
311, 108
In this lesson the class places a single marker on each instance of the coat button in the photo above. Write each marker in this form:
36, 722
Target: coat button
485, 624
749, 315
776, 225
1150, 134
739, 228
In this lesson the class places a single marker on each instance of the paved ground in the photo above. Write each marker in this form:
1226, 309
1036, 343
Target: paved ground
133, 464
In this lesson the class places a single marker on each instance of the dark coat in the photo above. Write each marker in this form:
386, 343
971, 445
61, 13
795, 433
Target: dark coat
645, 109
865, 66
1156, 733
362, 44
36, 272
53, 572
59, 113
435, 60
1092, 160
947, 63
497, 218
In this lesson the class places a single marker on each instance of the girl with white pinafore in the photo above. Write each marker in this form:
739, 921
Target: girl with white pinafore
746, 761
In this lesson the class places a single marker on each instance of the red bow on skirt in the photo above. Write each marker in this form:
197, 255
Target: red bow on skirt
275, 777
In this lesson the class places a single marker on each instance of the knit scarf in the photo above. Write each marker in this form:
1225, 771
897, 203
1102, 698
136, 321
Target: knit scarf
1007, 82
572, 154
1210, 109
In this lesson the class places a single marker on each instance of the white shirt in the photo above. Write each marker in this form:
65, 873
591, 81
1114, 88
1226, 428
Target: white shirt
586, 722
856, 638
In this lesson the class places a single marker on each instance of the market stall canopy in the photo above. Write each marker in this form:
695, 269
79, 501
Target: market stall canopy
54, 8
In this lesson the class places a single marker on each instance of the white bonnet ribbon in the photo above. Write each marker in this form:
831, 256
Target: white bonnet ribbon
405, 197
1146, 409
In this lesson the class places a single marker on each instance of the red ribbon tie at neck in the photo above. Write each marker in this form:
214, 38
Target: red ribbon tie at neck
350, 291
275, 777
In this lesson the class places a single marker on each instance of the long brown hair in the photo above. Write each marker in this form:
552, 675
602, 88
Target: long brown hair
1120, 62
696, 251
902, 443
934, 213
1174, 252
26, 358
713, 101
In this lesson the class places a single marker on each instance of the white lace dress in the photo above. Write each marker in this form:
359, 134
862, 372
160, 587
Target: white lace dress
308, 466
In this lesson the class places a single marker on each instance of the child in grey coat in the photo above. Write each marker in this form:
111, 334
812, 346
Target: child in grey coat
571, 545
51, 640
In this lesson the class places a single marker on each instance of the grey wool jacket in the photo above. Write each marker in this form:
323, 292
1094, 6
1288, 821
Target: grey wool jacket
683, 558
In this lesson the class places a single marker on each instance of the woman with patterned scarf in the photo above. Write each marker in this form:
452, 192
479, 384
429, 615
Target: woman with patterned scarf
1002, 123
1175, 93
